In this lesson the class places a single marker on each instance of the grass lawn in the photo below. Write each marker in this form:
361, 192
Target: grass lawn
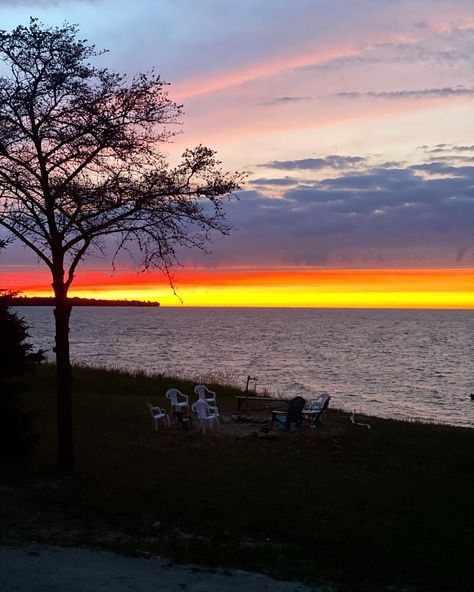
385, 509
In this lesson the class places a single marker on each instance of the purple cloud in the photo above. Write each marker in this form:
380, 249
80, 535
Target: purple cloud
376, 210
314, 164
430, 93
285, 101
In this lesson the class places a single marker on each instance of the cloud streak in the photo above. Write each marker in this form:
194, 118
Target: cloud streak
285, 101
314, 164
425, 93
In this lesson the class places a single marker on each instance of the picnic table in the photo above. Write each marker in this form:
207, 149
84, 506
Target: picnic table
246, 398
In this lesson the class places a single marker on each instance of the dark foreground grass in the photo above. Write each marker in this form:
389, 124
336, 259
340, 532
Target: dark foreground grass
385, 509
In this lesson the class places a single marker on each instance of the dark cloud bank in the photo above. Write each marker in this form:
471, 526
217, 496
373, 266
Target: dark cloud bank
355, 215
378, 209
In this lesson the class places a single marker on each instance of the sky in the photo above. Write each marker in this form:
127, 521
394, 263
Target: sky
354, 121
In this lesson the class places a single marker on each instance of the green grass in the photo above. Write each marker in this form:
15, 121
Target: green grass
385, 509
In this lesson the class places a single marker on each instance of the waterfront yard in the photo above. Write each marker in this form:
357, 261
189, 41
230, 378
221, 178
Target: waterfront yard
387, 508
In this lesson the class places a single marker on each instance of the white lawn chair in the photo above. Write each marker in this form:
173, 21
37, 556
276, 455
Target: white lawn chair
204, 393
319, 404
157, 415
178, 400
207, 415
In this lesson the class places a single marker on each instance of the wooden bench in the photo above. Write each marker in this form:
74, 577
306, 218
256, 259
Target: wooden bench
245, 399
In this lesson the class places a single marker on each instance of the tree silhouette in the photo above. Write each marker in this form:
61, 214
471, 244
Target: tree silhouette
80, 160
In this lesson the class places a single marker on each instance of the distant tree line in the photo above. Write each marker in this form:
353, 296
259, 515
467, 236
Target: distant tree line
77, 301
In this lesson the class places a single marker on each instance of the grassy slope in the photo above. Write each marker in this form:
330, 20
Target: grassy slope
365, 509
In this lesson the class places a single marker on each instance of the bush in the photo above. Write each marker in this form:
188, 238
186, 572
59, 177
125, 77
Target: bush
16, 356
16, 359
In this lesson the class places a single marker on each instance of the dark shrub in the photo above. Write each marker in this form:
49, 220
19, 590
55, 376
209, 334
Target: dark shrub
17, 358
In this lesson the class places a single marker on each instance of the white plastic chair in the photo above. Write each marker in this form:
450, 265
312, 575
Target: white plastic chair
204, 393
178, 400
320, 404
157, 415
207, 415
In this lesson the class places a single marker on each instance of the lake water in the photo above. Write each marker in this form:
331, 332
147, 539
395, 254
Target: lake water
406, 364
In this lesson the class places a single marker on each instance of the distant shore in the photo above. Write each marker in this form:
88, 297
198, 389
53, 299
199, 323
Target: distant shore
76, 301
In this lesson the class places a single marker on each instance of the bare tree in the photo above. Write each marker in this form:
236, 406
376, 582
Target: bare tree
80, 160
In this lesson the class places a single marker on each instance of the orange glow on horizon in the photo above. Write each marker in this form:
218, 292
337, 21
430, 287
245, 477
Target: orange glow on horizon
296, 287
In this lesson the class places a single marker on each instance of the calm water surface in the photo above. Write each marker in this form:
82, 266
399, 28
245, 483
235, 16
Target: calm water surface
406, 364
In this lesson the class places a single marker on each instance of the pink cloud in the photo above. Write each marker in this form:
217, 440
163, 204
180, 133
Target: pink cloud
309, 57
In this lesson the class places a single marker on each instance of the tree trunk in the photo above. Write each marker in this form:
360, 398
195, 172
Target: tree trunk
62, 314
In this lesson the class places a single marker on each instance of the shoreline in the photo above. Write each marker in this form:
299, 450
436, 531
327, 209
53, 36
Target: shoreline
203, 379
408, 371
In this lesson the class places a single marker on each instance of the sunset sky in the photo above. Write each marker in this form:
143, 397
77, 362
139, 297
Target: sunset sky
354, 121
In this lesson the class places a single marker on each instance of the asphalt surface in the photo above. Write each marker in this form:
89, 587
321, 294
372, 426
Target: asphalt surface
38, 568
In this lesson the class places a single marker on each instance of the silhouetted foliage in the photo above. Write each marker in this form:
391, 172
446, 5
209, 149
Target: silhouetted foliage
16, 358
16, 355
80, 160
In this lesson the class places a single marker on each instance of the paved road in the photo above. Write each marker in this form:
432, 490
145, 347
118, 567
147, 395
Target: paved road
60, 569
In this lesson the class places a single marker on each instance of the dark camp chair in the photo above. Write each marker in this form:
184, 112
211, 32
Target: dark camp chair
293, 415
